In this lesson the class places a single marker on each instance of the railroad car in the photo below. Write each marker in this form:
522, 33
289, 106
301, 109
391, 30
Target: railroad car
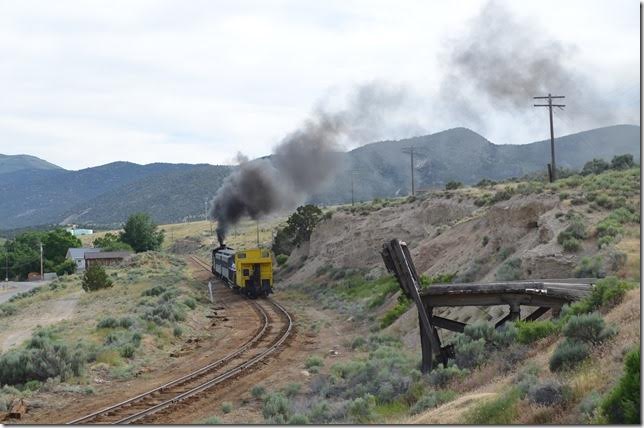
249, 272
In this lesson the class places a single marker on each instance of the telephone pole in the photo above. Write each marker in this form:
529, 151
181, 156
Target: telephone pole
353, 175
411, 151
42, 273
6, 266
552, 167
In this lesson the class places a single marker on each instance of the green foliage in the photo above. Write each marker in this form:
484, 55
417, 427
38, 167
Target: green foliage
298, 419
163, 312
403, 304
276, 409
361, 410
485, 240
568, 355
281, 259
501, 410
141, 233
212, 420
606, 293
291, 390
127, 351
7, 309
108, 322
111, 242
569, 238
177, 331
66, 267
510, 270
571, 245
588, 328
469, 353
531, 331
157, 290
258, 391
622, 162
589, 267
453, 185
299, 227
432, 399
547, 393
485, 183
441, 376
595, 166
190, 302
314, 361
95, 278
622, 404
226, 407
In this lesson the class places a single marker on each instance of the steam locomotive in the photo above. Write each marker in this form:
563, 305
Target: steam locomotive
249, 272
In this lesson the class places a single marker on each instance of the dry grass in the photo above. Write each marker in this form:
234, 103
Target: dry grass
631, 247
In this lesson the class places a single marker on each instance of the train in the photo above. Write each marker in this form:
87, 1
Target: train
249, 271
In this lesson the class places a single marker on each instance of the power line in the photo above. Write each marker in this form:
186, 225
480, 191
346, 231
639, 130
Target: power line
552, 167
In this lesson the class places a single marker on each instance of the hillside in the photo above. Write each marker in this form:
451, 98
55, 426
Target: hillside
13, 163
104, 196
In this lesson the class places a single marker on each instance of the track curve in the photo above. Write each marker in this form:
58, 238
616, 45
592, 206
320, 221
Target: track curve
263, 344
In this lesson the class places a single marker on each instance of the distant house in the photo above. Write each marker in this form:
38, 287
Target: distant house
106, 258
80, 232
78, 256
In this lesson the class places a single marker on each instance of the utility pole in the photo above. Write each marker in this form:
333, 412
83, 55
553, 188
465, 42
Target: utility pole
353, 174
6, 266
411, 151
257, 233
552, 168
42, 273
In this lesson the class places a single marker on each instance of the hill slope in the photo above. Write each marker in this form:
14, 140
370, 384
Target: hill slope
107, 194
13, 163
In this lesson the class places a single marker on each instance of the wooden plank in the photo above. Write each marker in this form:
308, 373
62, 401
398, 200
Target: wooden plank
448, 324
537, 313
497, 299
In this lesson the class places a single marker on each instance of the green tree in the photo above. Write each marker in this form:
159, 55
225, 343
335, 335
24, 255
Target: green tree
453, 185
303, 221
595, 166
111, 242
141, 233
622, 162
95, 278
56, 243
622, 404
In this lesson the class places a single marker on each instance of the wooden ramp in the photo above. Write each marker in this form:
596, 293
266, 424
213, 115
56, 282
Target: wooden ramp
545, 294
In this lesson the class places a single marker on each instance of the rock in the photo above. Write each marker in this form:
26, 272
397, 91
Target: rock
305, 373
333, 352
18, 408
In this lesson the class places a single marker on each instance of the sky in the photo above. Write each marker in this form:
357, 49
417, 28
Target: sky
84, 83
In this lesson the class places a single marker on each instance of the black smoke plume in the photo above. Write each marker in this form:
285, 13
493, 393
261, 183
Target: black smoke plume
304, 160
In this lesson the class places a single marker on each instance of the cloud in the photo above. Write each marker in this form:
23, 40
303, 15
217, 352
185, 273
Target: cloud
197, 81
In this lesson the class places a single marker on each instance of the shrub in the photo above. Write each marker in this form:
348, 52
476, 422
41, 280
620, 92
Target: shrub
95, 278
127, 351
510, 270
291, 389
177, 331
212, 420
606, 293
502, 195
531, 331
453, 185
276, 409
571, 245
442, 375
298, 419
361, 410
485, 240
622, 162
314, 361
432, 399
7, 309
622, 404
281, 259
576, 230
403, 304
548, 393
258, 391
501, 410
567, 355
190, 302
157, 290
358, 342
126, 322
226, 407
108, 322
589, 328
469, 353
589, 267
320, 413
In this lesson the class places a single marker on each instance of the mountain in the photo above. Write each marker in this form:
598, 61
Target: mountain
104, 196
459, 154
13, 163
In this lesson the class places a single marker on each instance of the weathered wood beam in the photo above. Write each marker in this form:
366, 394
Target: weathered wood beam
448, 324
536, 314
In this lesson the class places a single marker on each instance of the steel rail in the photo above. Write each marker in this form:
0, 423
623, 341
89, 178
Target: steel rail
203, 370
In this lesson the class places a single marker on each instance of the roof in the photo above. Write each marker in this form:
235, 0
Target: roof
79, 253
108, 255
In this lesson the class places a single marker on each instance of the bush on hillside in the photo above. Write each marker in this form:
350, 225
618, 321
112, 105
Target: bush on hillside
453, 185
568, 355
95, 278
531, 331
588, 328
510, 270
623, 404
281, 259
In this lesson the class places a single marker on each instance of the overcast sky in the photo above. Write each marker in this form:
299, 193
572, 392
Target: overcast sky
83, 83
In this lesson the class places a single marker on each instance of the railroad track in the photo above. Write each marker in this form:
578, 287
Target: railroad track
144, 407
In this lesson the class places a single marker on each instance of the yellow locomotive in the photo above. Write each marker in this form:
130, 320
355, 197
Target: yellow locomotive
249, 272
